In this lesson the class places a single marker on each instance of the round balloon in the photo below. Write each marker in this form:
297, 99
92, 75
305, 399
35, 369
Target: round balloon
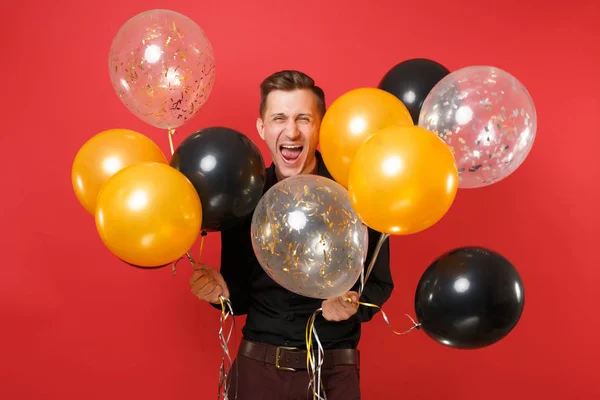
411, 81
488, 119
403, 180
162, 67
228, 172
352, 119
469, 298
307, 237
148, 214
104, 155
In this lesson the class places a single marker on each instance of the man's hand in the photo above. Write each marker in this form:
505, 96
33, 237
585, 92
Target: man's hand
208, 284
340, 308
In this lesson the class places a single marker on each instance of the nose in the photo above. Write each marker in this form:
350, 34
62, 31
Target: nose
291, 130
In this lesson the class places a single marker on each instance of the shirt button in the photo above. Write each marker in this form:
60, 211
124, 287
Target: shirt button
287, 342
289, 317
293, 296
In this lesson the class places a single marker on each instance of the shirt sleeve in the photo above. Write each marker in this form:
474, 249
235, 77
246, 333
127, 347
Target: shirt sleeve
379, 286
236, 248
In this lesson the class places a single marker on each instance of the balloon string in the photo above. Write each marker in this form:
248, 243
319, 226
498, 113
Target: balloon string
363, 277
190, 258
171, 133
226, 360
202, 236
314, 362
416, 325
174, 265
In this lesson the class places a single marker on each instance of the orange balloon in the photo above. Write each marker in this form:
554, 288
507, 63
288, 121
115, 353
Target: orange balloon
104, 155
403, 180
148, 214
352, 119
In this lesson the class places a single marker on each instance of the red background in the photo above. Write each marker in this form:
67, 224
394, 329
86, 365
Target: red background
78, 324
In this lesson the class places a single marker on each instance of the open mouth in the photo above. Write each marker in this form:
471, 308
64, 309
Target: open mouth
291, 153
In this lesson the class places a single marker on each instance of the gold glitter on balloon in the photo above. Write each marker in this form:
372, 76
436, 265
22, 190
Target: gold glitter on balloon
162, 67
308, 238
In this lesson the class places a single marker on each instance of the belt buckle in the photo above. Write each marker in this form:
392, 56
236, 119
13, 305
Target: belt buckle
277, 355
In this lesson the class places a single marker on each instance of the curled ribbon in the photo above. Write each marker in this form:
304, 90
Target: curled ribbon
174, 266
226, 361
314, 362
363, 279
226, 312
416, 325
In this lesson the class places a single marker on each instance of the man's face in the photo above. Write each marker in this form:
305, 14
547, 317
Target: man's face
290, 127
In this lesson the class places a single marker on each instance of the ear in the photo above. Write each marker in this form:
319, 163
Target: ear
260, 127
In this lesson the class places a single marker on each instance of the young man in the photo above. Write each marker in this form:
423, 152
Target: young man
271, 361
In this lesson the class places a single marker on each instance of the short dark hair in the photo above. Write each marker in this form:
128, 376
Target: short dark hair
290, 80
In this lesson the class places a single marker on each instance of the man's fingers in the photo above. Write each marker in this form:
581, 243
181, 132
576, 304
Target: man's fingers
350, 300
197, 275
347, 303
213, 296
340, 308
200, 283
337, 309
335, 317
208, 284
353, 296
225, 292
208, 290
216, 294
329, 316
200, 267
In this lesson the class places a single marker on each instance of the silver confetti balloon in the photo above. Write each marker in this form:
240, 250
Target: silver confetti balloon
488, 119
307, 237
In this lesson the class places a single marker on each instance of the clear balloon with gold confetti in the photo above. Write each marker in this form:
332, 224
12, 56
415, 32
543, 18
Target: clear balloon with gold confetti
162, 67
308, 238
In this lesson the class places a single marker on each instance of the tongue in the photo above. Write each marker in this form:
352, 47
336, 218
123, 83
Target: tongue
291, 154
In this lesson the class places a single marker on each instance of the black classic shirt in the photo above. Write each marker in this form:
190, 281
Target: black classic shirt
277, 316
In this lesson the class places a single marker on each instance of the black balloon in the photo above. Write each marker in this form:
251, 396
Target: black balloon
228, 172
411, 81
469, 298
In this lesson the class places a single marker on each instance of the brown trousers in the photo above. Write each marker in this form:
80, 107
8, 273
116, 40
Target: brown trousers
255, 380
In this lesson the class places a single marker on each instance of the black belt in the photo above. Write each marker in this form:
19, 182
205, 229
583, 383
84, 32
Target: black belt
293, 359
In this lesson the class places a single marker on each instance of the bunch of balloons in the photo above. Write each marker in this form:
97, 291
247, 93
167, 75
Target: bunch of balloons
401, 178
148, 211
398, 154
